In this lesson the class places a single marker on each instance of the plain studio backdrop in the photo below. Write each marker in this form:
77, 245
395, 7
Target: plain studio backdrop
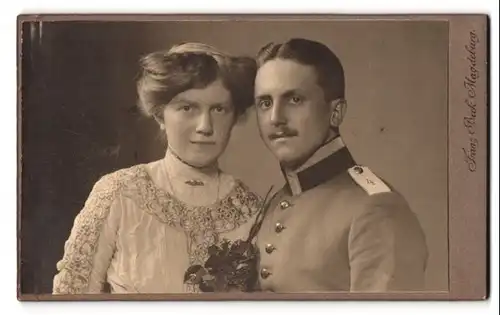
79, 119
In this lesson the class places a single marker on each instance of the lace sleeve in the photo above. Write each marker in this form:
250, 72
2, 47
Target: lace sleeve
91, 244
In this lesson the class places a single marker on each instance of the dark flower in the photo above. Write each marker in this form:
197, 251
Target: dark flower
194, 274
231, 266
213, 250
208, 286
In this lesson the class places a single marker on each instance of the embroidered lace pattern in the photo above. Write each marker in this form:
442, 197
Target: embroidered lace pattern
202, 224
76, 264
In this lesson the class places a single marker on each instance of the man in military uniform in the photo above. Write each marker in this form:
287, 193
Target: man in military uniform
335, 225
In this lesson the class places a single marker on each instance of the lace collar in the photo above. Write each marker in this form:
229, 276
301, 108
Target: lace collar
229, 212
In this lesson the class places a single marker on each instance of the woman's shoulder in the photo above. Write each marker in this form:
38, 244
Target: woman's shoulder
241, 195
243, 188
120, 180
233, 183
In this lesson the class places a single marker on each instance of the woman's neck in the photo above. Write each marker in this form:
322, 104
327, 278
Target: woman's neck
181, 170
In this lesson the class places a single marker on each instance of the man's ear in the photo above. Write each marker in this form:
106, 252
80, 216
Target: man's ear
338, 109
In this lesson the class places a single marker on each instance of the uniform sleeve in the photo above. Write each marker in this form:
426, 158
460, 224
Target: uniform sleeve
387, 248
89, 249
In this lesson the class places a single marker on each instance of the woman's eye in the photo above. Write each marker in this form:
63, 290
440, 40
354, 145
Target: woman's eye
186, 108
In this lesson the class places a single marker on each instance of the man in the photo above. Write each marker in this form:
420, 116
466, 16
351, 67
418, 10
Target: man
335, 225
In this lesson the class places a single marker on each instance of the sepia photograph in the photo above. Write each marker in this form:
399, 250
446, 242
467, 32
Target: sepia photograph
252, 157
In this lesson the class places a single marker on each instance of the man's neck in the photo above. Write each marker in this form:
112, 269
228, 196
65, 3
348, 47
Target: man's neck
325, 155
313, 157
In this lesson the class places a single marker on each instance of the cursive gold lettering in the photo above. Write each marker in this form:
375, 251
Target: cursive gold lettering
469, 120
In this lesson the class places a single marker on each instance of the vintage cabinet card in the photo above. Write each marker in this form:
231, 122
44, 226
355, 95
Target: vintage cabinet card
207, 157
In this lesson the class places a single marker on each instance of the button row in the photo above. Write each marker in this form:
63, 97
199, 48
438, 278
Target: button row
279, 227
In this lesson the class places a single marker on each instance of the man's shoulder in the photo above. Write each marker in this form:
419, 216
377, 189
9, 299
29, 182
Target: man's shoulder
360, 190
358, 181
368, 181
376, 198
362, 185
359, 185
353, 191
374, 190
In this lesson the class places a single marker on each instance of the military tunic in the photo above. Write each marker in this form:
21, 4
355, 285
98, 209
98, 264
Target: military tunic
335, 226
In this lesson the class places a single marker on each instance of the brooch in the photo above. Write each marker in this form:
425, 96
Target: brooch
194, 182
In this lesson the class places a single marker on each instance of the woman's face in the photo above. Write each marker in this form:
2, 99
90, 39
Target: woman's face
198, 123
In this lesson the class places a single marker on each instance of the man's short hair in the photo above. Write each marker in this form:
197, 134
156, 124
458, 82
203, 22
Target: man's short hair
328, 67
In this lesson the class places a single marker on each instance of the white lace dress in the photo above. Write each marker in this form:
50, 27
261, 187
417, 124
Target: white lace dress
135, 234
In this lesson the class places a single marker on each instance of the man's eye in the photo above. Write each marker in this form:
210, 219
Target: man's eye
296, 99
219, 109
186, 108
265, 103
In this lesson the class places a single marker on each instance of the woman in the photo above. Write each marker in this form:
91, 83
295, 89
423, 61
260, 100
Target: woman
142, 226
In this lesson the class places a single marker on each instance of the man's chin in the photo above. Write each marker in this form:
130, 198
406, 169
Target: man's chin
287, 159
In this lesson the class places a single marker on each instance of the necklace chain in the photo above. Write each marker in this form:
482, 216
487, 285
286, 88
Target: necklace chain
167, 172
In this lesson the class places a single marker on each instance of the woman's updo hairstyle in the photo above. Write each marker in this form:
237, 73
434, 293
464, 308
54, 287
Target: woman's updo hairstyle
164, 74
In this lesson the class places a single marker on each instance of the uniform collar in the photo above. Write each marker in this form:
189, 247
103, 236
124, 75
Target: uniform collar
327, 162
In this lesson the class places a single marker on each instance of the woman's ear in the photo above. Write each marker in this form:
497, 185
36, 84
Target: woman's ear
338, 110
160, 122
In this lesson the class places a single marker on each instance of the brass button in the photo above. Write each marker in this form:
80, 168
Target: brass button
279, 227
284, 204
270, 248
264, 273
358, 170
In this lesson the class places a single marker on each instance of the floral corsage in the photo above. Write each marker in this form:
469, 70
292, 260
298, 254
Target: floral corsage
231, 265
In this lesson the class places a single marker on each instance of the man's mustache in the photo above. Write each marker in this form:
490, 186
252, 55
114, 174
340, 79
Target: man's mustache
283, 133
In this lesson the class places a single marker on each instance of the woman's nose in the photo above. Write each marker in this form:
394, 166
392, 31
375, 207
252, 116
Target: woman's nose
205, 126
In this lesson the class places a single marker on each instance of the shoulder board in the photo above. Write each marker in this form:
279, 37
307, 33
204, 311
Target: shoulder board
365, 178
